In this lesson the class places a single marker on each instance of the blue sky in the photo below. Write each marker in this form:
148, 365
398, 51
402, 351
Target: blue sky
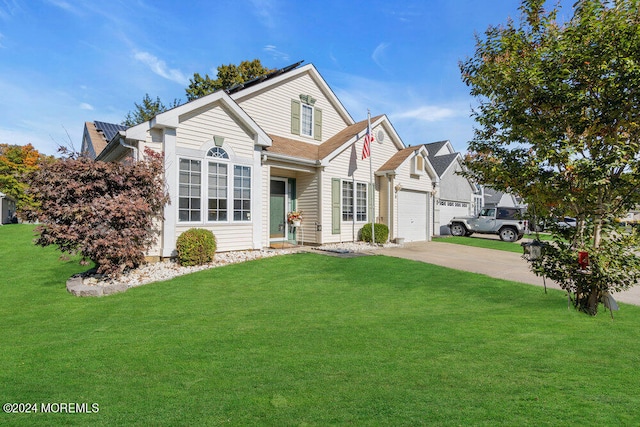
64, 62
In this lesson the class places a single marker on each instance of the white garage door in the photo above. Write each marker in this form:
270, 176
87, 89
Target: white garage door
449, 210
412, 215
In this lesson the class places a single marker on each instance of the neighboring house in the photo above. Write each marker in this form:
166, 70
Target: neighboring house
7, 209
97, 135
456, 195
494, 198
237, 161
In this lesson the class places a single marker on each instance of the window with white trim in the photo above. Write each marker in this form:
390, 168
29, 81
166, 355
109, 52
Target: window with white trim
241, 193
189, 190
306, 120
217, 186
354, 202
217, 192
361, 201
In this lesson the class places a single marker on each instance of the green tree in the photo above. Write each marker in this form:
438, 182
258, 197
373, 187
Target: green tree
558, 121
16, 161
147, 110
228, 76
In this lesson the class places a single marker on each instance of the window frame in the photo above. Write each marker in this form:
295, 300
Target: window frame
245, 189
351, 197
311, 124
189, 197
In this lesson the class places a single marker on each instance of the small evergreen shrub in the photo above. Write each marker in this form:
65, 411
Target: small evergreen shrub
196, 246
381, 232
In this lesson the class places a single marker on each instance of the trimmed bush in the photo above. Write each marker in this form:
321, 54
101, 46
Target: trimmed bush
196, 246
381, 232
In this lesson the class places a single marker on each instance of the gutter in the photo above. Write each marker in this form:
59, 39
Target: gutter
135, 149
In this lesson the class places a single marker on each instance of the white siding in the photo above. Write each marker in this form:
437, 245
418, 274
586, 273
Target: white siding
229, 237
201, 125
338, 168
272, 109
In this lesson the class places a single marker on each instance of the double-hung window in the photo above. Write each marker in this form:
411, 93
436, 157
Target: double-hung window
241, 193
189, 191
306, 122
224, 187
354, 201
361, 201
217, 192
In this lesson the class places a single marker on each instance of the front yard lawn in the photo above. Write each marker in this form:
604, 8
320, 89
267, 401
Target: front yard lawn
309, 339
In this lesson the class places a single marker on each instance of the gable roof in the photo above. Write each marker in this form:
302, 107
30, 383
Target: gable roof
434, 147
100, 133
297, 149
109, 129
441, 163
171, 118
290, 73
397, 159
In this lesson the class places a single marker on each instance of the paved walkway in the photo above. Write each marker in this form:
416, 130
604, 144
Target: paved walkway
491, 262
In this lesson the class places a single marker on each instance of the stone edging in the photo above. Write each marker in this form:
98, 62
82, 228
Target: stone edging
76, 287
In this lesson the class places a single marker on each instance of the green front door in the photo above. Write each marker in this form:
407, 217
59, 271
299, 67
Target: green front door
278, 202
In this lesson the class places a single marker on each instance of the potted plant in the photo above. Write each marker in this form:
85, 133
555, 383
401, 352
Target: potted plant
295, 218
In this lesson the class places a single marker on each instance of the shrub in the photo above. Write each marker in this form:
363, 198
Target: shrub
104, 211
196, 246
381, 233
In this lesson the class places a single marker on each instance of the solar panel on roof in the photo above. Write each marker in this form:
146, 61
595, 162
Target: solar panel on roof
109, 129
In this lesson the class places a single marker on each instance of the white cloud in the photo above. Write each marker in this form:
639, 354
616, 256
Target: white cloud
275, 53
160, 68
378, 54
8, 9
265, 9
427, 113
85, 106
62, 5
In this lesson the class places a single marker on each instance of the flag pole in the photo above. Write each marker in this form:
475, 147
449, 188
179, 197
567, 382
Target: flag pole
371, 184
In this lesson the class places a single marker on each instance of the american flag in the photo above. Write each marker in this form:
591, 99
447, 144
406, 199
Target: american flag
368, 139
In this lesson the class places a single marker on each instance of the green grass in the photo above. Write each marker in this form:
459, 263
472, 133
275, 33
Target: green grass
481, 242
309, 339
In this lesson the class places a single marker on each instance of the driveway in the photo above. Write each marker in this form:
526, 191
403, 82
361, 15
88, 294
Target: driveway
491, 262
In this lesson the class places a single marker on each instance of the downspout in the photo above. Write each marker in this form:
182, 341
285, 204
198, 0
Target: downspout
135, 150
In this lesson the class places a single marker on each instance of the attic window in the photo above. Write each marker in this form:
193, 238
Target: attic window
418, 165
217, 153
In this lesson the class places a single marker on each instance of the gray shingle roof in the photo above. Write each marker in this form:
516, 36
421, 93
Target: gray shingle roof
442, 163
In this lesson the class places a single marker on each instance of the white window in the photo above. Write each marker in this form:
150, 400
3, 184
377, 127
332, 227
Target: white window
217, 192
354, 202
189, 190
306, 122
241, 193
361, 202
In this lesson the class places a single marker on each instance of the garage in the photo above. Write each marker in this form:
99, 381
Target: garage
448, 210
412, 215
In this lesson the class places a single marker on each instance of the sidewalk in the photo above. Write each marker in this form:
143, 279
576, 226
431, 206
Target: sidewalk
491, 262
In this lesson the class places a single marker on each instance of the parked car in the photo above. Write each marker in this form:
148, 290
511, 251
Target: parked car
566, 222
506, 222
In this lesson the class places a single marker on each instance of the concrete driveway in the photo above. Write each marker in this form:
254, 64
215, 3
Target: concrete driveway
491, 262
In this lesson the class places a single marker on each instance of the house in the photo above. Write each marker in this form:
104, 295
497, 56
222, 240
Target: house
7, 209
238, 160
494, 198
456, 194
